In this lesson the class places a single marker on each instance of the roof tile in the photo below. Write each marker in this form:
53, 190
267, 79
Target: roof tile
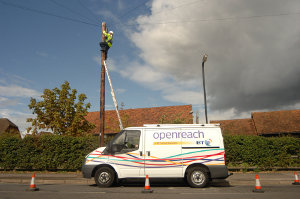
140, 116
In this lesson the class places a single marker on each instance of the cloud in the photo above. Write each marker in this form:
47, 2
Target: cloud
7, 102
109, 63
41, 54
120, 5
18, 91
253, 53
120, 90
17, 117
182, 96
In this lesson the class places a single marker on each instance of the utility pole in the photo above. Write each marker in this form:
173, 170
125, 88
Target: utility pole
203, 77
102, 91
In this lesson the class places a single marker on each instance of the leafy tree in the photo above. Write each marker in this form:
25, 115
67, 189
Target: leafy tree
61, 112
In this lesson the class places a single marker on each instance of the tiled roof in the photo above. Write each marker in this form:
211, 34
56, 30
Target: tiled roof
237, 127
141, 116
277, 122
7, 125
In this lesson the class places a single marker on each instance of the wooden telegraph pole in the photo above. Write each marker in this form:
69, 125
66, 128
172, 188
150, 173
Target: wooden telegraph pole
102, 91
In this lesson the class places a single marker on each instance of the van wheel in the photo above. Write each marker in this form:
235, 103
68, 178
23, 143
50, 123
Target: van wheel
104, 177
197, 177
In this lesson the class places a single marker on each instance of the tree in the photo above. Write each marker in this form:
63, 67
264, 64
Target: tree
61, 112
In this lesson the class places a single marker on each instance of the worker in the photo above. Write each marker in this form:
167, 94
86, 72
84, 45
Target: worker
108, 41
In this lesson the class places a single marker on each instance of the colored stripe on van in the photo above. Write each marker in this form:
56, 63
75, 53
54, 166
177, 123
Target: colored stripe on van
183, 159
205, 147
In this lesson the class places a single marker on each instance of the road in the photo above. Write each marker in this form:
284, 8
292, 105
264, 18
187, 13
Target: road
133, 191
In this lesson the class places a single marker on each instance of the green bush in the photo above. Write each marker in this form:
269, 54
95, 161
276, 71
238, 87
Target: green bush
45, 152
52, 152
262, 152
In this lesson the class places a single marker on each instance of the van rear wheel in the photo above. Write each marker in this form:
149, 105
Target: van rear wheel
197, 177
104, 177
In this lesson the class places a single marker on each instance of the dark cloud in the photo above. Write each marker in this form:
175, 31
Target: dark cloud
253, 50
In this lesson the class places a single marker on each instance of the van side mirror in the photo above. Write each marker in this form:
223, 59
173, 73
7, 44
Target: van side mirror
114, 148
107, 149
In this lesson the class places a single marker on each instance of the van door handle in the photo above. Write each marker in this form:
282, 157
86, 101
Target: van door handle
148, 153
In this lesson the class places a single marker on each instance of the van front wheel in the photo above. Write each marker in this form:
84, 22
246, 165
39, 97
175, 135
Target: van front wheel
104, 177
197, 177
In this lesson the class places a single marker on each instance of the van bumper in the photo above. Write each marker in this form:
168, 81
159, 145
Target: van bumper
87, 170
218, 171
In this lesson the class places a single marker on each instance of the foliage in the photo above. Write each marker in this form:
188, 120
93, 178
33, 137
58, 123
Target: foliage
51, 152
262, 152
45, 152
59, 112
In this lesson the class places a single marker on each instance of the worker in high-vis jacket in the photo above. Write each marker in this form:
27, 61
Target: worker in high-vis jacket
108, 42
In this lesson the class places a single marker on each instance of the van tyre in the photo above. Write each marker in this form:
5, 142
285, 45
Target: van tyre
104, 177
197, 177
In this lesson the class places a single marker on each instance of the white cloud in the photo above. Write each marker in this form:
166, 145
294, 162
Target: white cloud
97, 59
7, 102
17, 117
253, 61
108, 14
120, 90
109, 63
41, 54
181, 96
121, 5
18, 91
13, 97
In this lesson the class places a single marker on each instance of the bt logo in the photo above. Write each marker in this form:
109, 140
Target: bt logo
208, 142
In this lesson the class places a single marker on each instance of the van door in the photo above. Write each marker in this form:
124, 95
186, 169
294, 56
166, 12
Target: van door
202, 145
162, 153
126, 157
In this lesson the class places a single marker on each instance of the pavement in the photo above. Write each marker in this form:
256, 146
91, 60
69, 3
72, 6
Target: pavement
238, 178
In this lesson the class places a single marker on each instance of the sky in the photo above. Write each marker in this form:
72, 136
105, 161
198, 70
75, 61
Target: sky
253, 49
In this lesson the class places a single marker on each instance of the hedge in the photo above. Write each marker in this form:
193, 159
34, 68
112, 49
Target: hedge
50, 152
262, 152
45, 152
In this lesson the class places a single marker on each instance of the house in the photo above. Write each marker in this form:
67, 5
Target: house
141, 116
237, 126
7, 127
273, 123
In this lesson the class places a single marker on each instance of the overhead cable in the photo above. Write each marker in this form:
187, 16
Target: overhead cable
46, 13
133, 9
71, 10
88, 9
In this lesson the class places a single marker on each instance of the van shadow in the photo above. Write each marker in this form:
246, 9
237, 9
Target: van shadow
157, 182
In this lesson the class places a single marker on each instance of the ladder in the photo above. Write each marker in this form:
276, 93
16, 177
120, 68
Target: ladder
113, 97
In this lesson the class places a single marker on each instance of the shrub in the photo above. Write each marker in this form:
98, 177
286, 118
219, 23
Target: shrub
262, 152
45, 152
52, 152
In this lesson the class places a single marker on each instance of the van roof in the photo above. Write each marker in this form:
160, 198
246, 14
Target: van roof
176, 126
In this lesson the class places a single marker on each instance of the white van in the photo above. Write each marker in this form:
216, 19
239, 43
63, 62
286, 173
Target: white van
191, 151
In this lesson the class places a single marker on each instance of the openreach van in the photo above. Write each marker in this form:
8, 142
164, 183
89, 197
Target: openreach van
191, 151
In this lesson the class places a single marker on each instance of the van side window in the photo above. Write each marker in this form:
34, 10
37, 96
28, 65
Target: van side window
131, 141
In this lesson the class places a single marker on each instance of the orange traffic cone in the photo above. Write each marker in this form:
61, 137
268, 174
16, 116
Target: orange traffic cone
147, 186
257, 186
296, 182
32, 186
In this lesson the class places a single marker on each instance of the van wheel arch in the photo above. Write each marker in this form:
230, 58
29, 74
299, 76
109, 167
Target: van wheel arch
116, 180
103, 165
200, 170
197, 165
